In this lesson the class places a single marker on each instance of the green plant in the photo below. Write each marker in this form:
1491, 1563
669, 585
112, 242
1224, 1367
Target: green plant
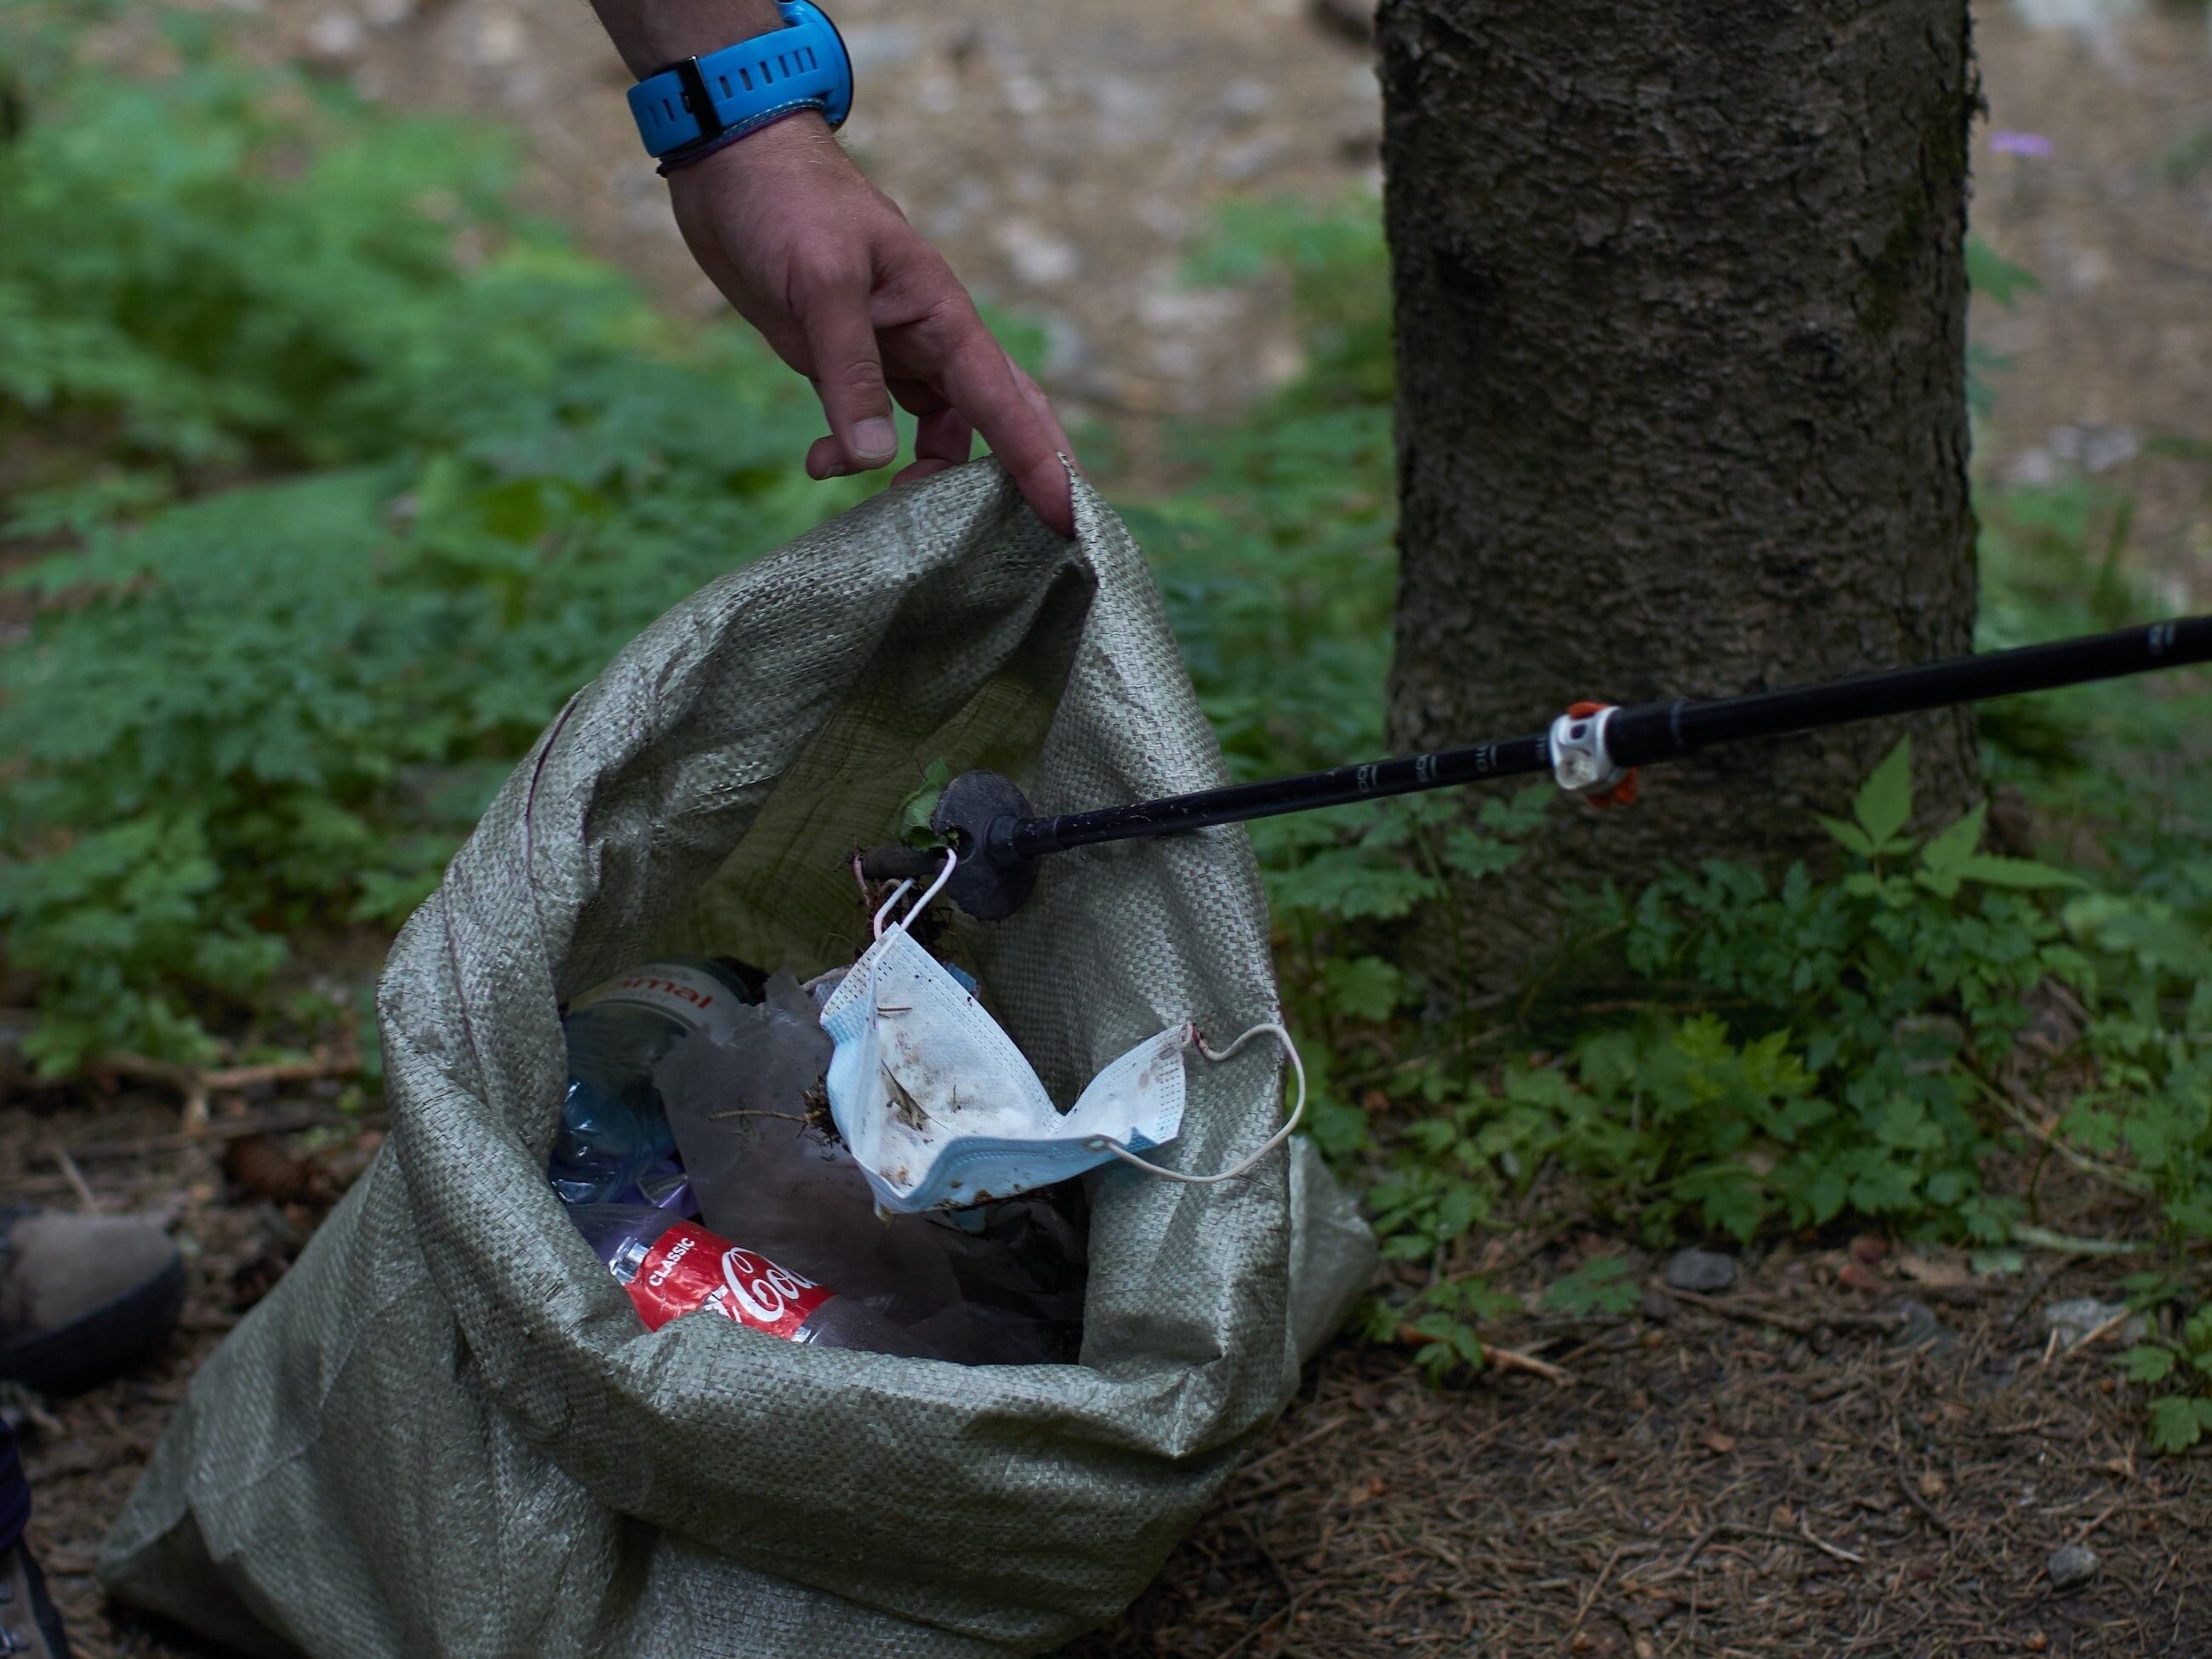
916, 811
2182, 1415
1602, 1284
330, 476
1443, 1324
1990, 272
1724, 1051
1275, 555
350, 475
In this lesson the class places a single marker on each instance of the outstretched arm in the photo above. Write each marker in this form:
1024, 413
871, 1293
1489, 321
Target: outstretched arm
827, 267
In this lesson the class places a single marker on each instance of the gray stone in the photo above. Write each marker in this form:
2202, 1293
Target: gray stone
2072, 1566
2077, 1317
1706, 1271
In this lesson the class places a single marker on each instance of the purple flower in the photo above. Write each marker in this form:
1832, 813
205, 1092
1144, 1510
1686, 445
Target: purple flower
2020, 143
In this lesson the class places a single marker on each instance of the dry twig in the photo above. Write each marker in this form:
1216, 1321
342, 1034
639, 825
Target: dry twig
1505, 1359
85, 1197
198, 1084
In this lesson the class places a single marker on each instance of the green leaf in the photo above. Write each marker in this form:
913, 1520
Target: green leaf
1949, 849
1603, 1285
1992, 871
916, 811
2147, 1362
1850, 837
1884, 805
1366, 987
2175, 1426
1990, 272
1350, 883
1478, 856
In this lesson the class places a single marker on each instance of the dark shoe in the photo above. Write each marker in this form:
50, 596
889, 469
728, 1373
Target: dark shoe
80, 1296
29, 1626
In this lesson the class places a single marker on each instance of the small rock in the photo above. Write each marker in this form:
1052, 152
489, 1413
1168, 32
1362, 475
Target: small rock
1216, 1582
1657, 1306
1869, 1247
1705, 1271
1937, 1272
2075, 1564
336, 35
2075, 1318
1920, 1328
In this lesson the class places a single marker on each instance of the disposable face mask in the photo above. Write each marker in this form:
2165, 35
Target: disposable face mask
942, 1111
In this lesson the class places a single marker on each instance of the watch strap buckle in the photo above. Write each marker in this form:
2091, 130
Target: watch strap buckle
697, 99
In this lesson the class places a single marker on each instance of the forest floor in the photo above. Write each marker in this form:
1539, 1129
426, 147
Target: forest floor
1869, 1454
1856, 1448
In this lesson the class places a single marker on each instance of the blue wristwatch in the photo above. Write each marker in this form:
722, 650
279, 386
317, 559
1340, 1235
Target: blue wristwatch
699, 105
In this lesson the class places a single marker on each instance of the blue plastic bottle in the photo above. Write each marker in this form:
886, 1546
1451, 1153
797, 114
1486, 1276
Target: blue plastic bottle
614, 1145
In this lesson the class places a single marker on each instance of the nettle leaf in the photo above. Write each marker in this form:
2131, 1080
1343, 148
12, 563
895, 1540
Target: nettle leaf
2196, 1334
2175, 1423
1366, 987
1728, 1195
1884, 804
2146, 1362
1352, 881
1518, 813
1477, 856
1603, 1285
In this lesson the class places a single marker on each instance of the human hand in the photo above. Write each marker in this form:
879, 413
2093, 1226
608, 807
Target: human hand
846, 291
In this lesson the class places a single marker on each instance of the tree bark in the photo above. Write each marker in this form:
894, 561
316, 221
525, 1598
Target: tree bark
1681, 300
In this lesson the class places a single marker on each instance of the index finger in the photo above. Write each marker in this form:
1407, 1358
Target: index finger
980, 380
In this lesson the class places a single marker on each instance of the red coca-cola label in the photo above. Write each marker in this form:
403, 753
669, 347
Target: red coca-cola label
689, 1269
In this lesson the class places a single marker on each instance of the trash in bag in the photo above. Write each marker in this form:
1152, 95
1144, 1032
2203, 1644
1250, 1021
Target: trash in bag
941, 1109
447, 1433
750, 1125
614, 1144
673, 1268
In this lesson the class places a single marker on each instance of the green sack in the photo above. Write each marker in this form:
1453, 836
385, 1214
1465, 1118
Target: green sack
444, 1433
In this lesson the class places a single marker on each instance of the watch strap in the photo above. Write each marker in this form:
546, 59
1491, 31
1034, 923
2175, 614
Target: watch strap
745, 87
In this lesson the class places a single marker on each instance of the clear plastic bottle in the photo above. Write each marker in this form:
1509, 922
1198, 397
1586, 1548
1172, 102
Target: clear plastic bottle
672, 1268
614, 1144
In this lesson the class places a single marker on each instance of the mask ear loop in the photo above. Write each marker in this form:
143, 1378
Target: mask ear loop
951, 862
1297, 1111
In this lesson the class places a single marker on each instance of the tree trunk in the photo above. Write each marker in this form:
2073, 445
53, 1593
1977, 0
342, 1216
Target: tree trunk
1681, 299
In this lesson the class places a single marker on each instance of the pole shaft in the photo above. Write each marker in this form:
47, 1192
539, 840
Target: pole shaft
1238, 804
1637, 736
1661, 731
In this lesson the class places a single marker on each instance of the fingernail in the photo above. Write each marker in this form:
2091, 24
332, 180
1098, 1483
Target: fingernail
875, 438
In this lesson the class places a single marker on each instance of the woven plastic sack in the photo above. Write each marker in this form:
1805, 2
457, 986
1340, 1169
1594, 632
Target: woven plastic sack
445, 1432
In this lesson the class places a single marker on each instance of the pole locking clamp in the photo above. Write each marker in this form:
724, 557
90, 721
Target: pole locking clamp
1582, 764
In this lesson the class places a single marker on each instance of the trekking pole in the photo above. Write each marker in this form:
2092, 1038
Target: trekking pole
1590, 750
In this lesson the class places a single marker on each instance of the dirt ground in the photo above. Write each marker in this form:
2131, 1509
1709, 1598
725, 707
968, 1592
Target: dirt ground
1063, 153
1802, 1465
1854, 1450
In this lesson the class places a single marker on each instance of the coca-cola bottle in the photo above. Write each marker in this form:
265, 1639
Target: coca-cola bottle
614, 1144
673, 1268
